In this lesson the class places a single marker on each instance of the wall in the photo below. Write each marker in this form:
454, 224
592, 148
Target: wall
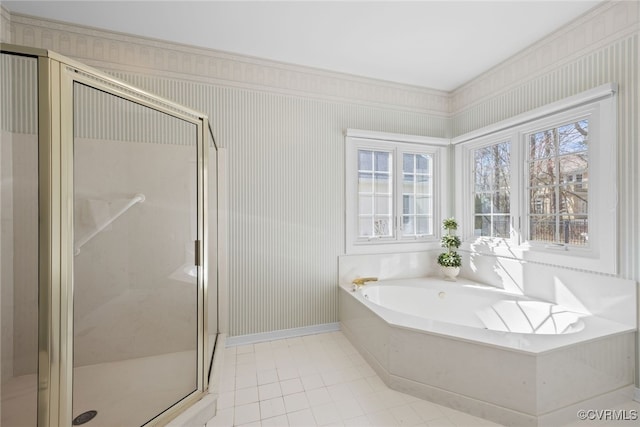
282, 129
601, 47
281, 126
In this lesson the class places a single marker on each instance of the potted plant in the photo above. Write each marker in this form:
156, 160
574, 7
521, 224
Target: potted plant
450, 261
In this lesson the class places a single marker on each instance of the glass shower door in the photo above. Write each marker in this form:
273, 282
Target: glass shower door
19, 240
135, 285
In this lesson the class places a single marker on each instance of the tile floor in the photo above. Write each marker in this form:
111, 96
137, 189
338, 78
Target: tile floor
317, 380
321, 380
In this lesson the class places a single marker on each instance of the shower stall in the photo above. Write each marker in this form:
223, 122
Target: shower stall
108, 226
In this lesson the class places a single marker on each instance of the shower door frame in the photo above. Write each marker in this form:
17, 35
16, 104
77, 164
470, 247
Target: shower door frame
56, 77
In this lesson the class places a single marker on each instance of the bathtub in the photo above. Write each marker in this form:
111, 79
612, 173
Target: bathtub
502, 356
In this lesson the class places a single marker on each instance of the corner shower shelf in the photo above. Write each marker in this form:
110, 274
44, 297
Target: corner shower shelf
138, 198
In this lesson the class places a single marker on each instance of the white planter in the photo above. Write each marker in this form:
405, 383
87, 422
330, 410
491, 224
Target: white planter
450, 273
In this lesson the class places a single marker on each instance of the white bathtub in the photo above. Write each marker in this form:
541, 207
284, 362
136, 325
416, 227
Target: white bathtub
505, 357
474, 306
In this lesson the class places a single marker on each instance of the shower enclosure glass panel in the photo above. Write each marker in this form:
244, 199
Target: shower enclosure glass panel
135, 288
212, 266
19, 240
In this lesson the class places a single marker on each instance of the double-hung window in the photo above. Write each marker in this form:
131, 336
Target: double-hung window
542, 186
392, 192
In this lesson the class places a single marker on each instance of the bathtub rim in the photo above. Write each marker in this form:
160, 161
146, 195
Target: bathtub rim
595, 327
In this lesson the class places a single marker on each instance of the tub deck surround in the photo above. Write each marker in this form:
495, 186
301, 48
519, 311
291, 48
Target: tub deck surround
457, 310
512, 378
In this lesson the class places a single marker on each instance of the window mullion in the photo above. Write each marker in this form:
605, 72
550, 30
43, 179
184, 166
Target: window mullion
397, 208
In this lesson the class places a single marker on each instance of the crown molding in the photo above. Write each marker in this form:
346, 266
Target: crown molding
122, 52
117, 52
5, 25
601, 26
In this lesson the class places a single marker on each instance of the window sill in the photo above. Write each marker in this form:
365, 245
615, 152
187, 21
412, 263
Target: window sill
574, 258
382, 247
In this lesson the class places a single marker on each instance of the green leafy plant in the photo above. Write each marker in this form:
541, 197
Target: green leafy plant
451, 258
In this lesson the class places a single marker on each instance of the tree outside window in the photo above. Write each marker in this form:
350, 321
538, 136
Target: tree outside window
492, 181
558, 184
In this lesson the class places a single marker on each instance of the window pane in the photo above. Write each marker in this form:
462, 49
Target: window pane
482, 225
423, 205
407, 163
383, 183
423, 185
365, 182
542, 144
501, 226
423, 225
572, 166
542, 200
365, 227
542, 172
483, 170
575, 230
408, 226
573, 201
572, 138
365, 160
423, 164
408, 206
408, 183
483, 203
501, 202
381, 226
383, 205
382, 161
365, 205
542, 228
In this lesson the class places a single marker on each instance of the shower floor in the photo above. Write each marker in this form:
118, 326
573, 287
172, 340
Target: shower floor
122, 392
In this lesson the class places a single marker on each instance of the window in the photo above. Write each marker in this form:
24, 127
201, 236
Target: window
557, 184
417, 195
375, 194
390, 190
492, 187
542, 186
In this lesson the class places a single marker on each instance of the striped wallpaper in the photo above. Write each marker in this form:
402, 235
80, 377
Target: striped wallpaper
99, 115
19, 96
285, 154
286, 195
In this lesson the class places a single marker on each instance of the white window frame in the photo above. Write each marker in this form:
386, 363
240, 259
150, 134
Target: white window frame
601, 255
437, 148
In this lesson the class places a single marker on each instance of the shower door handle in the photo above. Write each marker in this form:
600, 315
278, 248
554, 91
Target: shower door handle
198, 260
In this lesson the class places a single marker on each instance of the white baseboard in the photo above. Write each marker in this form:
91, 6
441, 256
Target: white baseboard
281, 334
636, 394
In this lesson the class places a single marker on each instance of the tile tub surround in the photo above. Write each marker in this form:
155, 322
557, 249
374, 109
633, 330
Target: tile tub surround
513, 387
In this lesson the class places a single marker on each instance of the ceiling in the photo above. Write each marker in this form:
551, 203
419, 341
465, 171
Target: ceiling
434, 44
